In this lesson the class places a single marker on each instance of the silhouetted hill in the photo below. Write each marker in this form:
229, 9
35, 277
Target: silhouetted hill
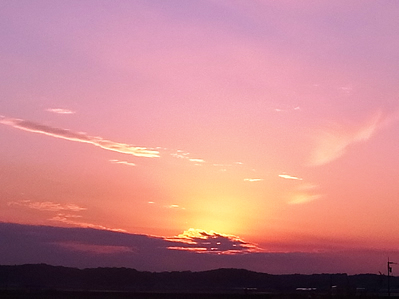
45, 277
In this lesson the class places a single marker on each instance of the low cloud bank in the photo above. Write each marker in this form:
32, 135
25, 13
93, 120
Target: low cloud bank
87, 247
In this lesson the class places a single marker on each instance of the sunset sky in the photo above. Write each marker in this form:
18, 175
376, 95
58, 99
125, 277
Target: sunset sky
200, 134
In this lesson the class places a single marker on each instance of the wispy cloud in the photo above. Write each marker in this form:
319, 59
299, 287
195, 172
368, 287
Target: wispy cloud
180, 154
184, 155
333, 142
346, 89
253, 180
289, 177
304, 193
46, 206
168, 206
60, 111
115, 161
70, 219
221, 167
79, 137
174, 206
211, 242
64, 214
302, 198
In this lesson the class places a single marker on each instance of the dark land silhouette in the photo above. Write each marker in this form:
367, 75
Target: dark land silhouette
45, 281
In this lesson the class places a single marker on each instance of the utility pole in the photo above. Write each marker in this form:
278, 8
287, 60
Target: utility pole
389, 271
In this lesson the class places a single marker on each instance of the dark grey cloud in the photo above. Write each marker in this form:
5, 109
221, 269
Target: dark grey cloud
212, 242
87, 247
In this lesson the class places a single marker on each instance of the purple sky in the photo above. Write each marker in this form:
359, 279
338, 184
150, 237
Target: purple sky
268, 125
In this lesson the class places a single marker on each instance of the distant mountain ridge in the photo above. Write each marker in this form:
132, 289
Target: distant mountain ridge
43, 276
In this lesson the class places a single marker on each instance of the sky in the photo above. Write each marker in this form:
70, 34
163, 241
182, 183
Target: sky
194, 135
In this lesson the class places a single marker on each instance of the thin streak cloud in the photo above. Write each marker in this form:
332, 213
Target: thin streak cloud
80, 137
253, 180
115, 161
289, 177
184, 155
66, 219
197, 160
60, 111
46, 206
175, 207
94, 248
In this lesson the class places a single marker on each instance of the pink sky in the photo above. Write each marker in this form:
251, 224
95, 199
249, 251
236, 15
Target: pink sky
274, 123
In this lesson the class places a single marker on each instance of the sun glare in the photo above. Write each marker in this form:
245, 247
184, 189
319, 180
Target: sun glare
225, 216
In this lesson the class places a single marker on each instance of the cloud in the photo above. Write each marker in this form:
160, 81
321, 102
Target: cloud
168, 206
174, 206
77, 246
222, 167
196, 160
302, 198
203, 242
180, 154
115, 161
346, 89
289, 177
304, 193
79, 137
333, 142
96, 249
47, 206
184, 155
253, 180
65, 218
289, 109
60, 111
